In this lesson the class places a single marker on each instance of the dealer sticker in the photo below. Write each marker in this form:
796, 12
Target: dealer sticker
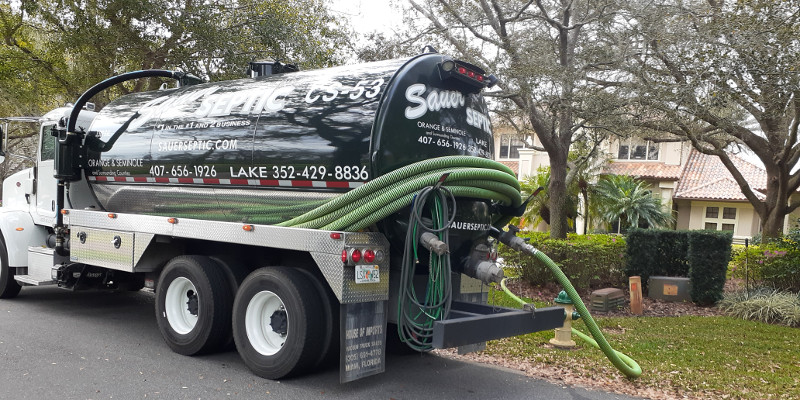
368, 274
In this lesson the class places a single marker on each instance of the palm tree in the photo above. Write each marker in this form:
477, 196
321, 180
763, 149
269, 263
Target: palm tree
626, 199
538, 209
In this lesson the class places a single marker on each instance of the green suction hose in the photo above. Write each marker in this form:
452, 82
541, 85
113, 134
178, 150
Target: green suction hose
470, 177
625, 364
359, 208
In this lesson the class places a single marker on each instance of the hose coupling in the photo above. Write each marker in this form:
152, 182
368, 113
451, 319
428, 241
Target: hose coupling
487, 271
510, 239
432, 243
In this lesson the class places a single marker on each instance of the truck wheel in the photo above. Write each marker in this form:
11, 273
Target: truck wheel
193, 305
9, 288
330, 314
236, 272
278, 322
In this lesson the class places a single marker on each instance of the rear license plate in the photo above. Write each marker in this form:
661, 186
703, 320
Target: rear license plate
368, 274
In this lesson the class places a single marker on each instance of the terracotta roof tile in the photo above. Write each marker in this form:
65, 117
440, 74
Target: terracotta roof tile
706, 178
514, 165
644, 170
720, 189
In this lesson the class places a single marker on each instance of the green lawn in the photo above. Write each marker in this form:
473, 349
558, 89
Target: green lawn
704, 357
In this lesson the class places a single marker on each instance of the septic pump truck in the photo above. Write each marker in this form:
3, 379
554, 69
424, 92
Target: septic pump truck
301, 217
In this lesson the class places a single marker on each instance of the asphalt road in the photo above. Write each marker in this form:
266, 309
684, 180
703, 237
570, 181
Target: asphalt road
56, 344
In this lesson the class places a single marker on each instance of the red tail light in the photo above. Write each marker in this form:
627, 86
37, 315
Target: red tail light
369, 256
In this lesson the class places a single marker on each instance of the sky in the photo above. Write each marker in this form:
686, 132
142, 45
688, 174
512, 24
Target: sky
369, 15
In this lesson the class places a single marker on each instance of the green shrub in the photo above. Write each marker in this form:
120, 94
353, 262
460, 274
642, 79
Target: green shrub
641, 246
792, 238
746, 263
589, 261
709, 253
775, 264
781, 269
765, 305
654, 252
673, 247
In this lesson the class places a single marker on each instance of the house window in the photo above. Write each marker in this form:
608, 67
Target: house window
509, 146
726, 222
637, 149
729, 213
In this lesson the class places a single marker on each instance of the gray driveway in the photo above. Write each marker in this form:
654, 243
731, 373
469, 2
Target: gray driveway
56, 344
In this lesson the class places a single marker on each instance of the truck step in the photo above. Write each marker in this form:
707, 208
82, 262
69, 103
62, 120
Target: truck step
40, 266
32, 280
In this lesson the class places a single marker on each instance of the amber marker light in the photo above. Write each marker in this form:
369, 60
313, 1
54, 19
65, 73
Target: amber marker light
112, 215
248, 228
64, 212
20, 229
172, 220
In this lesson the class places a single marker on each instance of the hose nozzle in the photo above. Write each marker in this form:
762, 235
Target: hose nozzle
432, 243
486, 271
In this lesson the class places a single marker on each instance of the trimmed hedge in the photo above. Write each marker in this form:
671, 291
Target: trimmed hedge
640, 251
709, 253
654, 252
700, 255
597, 261
672, 250
589, 261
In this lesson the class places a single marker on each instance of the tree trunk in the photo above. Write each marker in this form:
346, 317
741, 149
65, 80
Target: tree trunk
772, 225
586, 221
774, 212
558, 196
776, 204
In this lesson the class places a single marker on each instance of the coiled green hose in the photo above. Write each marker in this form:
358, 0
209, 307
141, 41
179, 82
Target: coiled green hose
471, 177
416, 315
377, 199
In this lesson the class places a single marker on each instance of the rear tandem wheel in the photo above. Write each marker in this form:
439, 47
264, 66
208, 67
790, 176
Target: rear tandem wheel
278, 323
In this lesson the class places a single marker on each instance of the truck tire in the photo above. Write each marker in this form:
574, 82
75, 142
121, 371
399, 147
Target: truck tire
193, 305
9, 288
330, 314
236, 272
278, 322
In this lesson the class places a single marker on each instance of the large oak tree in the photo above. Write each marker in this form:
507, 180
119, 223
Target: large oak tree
544, 51
723, 74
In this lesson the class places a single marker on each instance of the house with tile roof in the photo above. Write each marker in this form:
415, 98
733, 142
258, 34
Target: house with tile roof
697, 187
699, 190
